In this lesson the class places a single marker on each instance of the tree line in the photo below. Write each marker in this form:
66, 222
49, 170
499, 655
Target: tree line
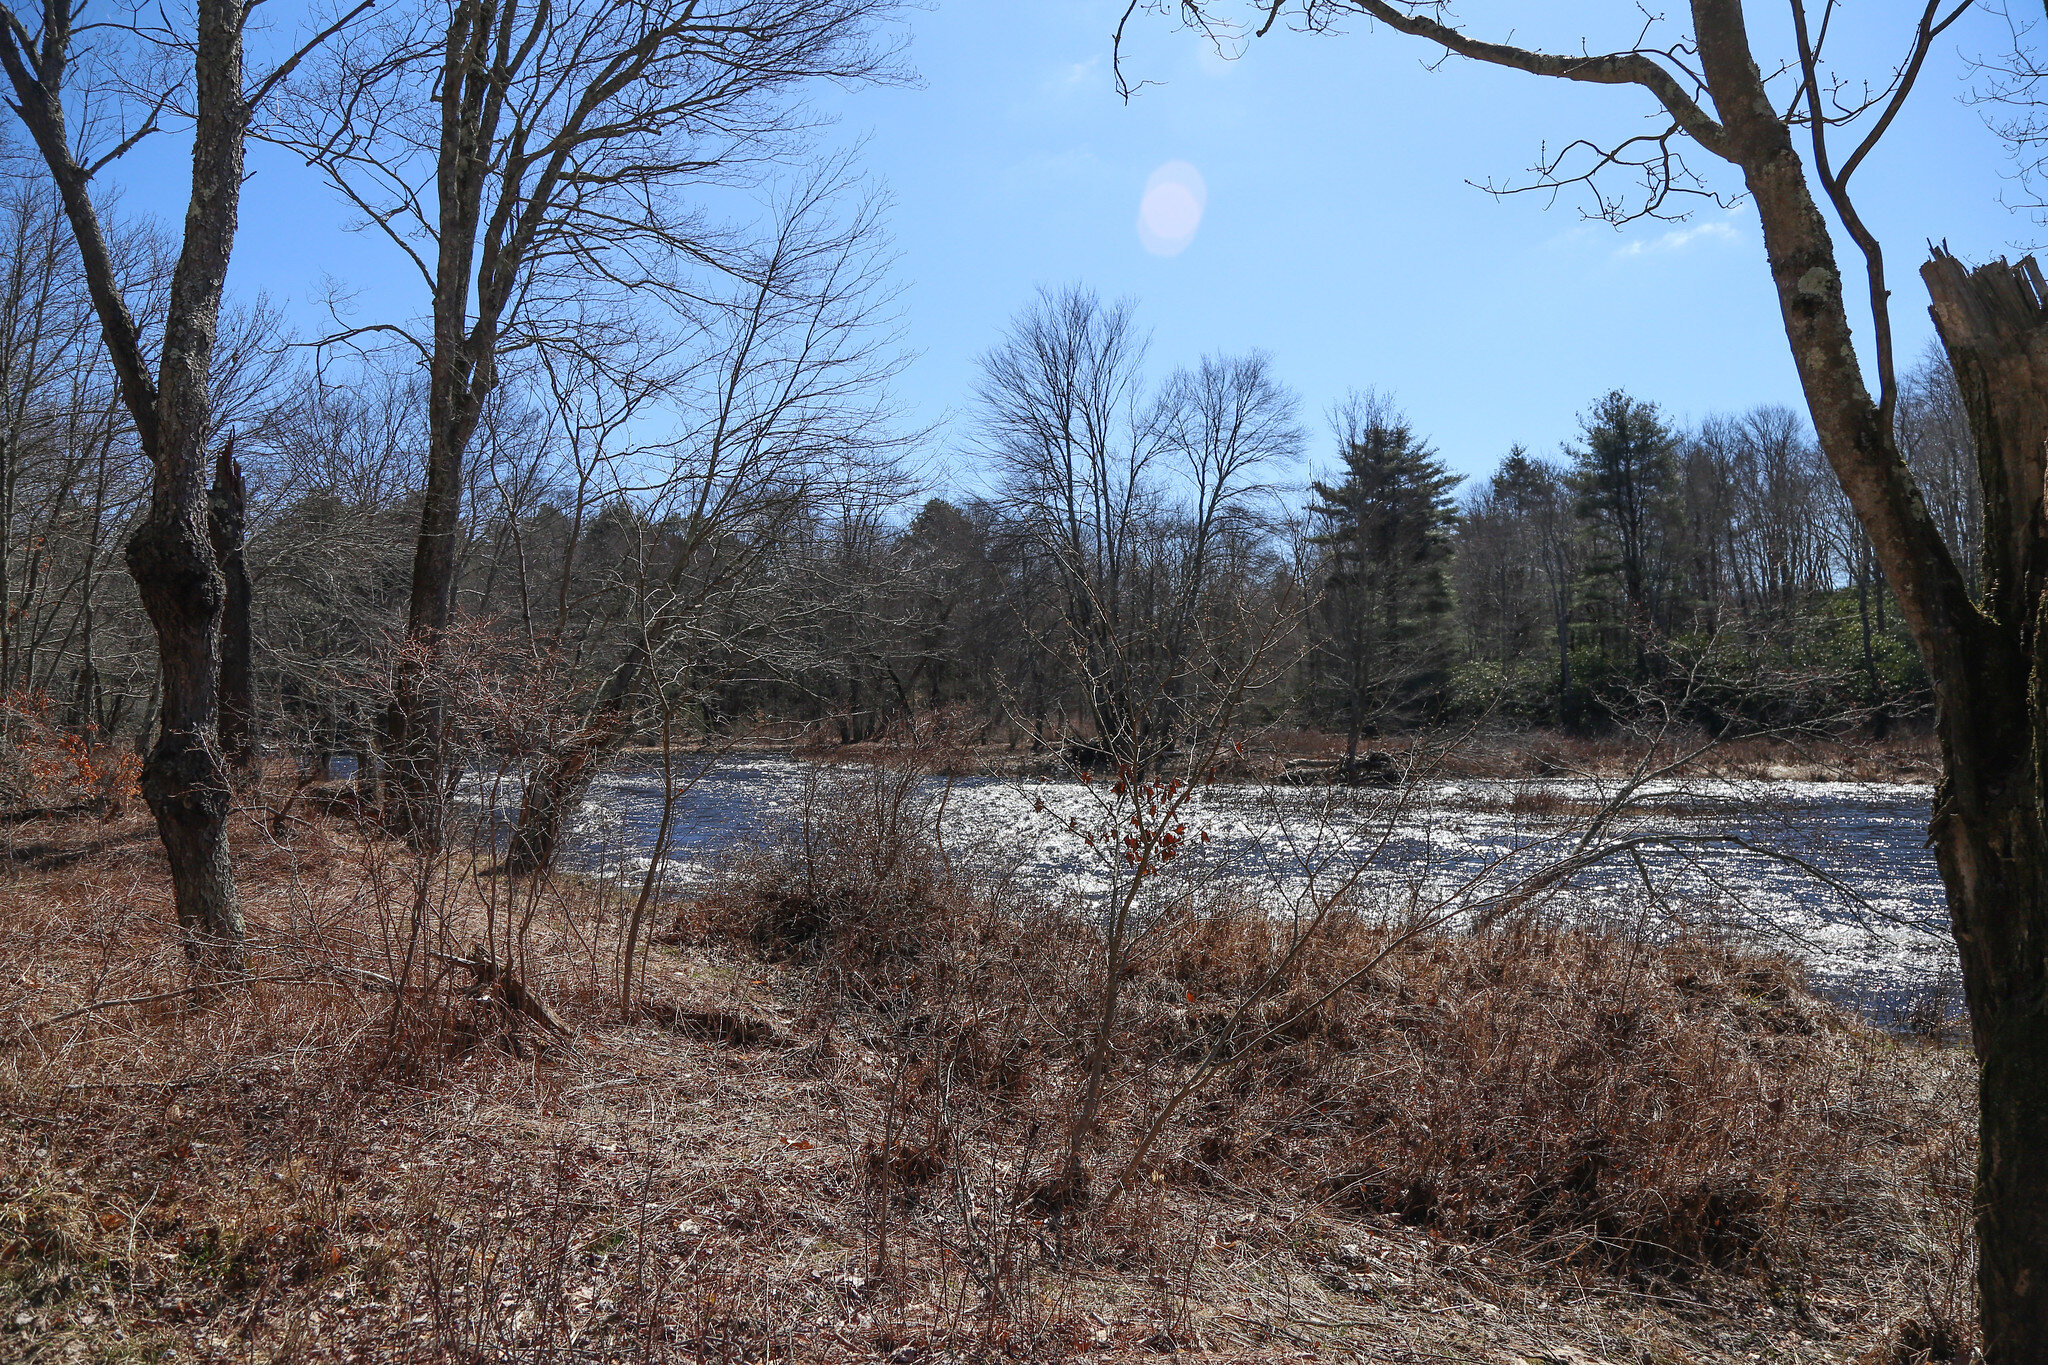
736, 523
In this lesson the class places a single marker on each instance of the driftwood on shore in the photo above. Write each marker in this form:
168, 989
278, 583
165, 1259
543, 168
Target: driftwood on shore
1374, 769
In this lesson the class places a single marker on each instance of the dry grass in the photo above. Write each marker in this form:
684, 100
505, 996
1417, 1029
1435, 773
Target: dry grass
832, 1133
1905, 757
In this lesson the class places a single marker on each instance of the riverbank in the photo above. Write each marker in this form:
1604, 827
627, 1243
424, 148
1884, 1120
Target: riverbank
834, 1128
1837, 872
1288, 754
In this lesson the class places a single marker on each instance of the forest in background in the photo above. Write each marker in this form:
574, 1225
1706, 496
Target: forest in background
720, 506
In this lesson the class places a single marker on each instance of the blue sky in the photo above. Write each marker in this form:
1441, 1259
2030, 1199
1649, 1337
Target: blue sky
1339, 231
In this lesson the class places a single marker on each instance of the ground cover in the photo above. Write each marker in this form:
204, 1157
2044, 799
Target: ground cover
834, 1123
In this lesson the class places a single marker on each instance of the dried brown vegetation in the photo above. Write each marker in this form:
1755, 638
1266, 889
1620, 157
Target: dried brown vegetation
1298, 754
831, 1130
1905, 757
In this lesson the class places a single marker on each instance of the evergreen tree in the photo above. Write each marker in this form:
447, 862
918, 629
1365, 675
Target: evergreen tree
1516, 574
1625, 479
1384, 531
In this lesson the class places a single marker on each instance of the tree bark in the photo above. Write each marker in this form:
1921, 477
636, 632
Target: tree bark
226, 509
1992, 849
1989, 832
556, 786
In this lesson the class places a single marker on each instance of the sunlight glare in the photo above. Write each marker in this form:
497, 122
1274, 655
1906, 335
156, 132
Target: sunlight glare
1171, 211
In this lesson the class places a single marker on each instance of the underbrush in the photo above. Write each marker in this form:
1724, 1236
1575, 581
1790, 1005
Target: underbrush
48, 767
1579, 1093
850, 877
837, 1124
1653, 1108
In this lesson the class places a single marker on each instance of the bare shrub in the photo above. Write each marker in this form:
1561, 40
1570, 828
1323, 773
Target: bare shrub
1627, 1102
47, 767
854, 878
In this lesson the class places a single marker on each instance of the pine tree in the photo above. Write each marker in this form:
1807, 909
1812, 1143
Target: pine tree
1385, 535
1625, 478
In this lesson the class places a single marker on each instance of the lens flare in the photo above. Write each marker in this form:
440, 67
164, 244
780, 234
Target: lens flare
1170, 213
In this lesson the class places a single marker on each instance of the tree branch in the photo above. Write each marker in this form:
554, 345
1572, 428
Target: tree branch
1614, 68
290, 63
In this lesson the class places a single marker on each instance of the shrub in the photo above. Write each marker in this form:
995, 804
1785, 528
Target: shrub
1580, 1091
44, 766
1587, 1093
854, 877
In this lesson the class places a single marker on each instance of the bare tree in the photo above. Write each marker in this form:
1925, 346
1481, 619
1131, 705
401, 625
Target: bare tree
779, 401
530, 161
332, 516
1066, 426
45, 326
1764, 505
1131, 498
169, 555
1934, 436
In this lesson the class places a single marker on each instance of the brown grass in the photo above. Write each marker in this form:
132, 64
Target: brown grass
1905, 757
832, 1132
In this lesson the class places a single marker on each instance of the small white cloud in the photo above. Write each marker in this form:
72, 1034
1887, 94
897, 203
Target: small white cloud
1075, 75
1684, 238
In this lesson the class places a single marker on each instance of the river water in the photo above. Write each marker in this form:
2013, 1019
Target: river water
1837, 873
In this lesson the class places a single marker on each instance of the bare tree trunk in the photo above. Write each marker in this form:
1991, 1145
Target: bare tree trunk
1992, 849
170, 555
655, 861
556, 786
1564, 660
1989, 835
184, 778
1353, 728
414, 722
7, 483
226, 508
461, 375
91, 700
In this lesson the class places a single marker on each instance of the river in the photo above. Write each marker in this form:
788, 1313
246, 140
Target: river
1837, 873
